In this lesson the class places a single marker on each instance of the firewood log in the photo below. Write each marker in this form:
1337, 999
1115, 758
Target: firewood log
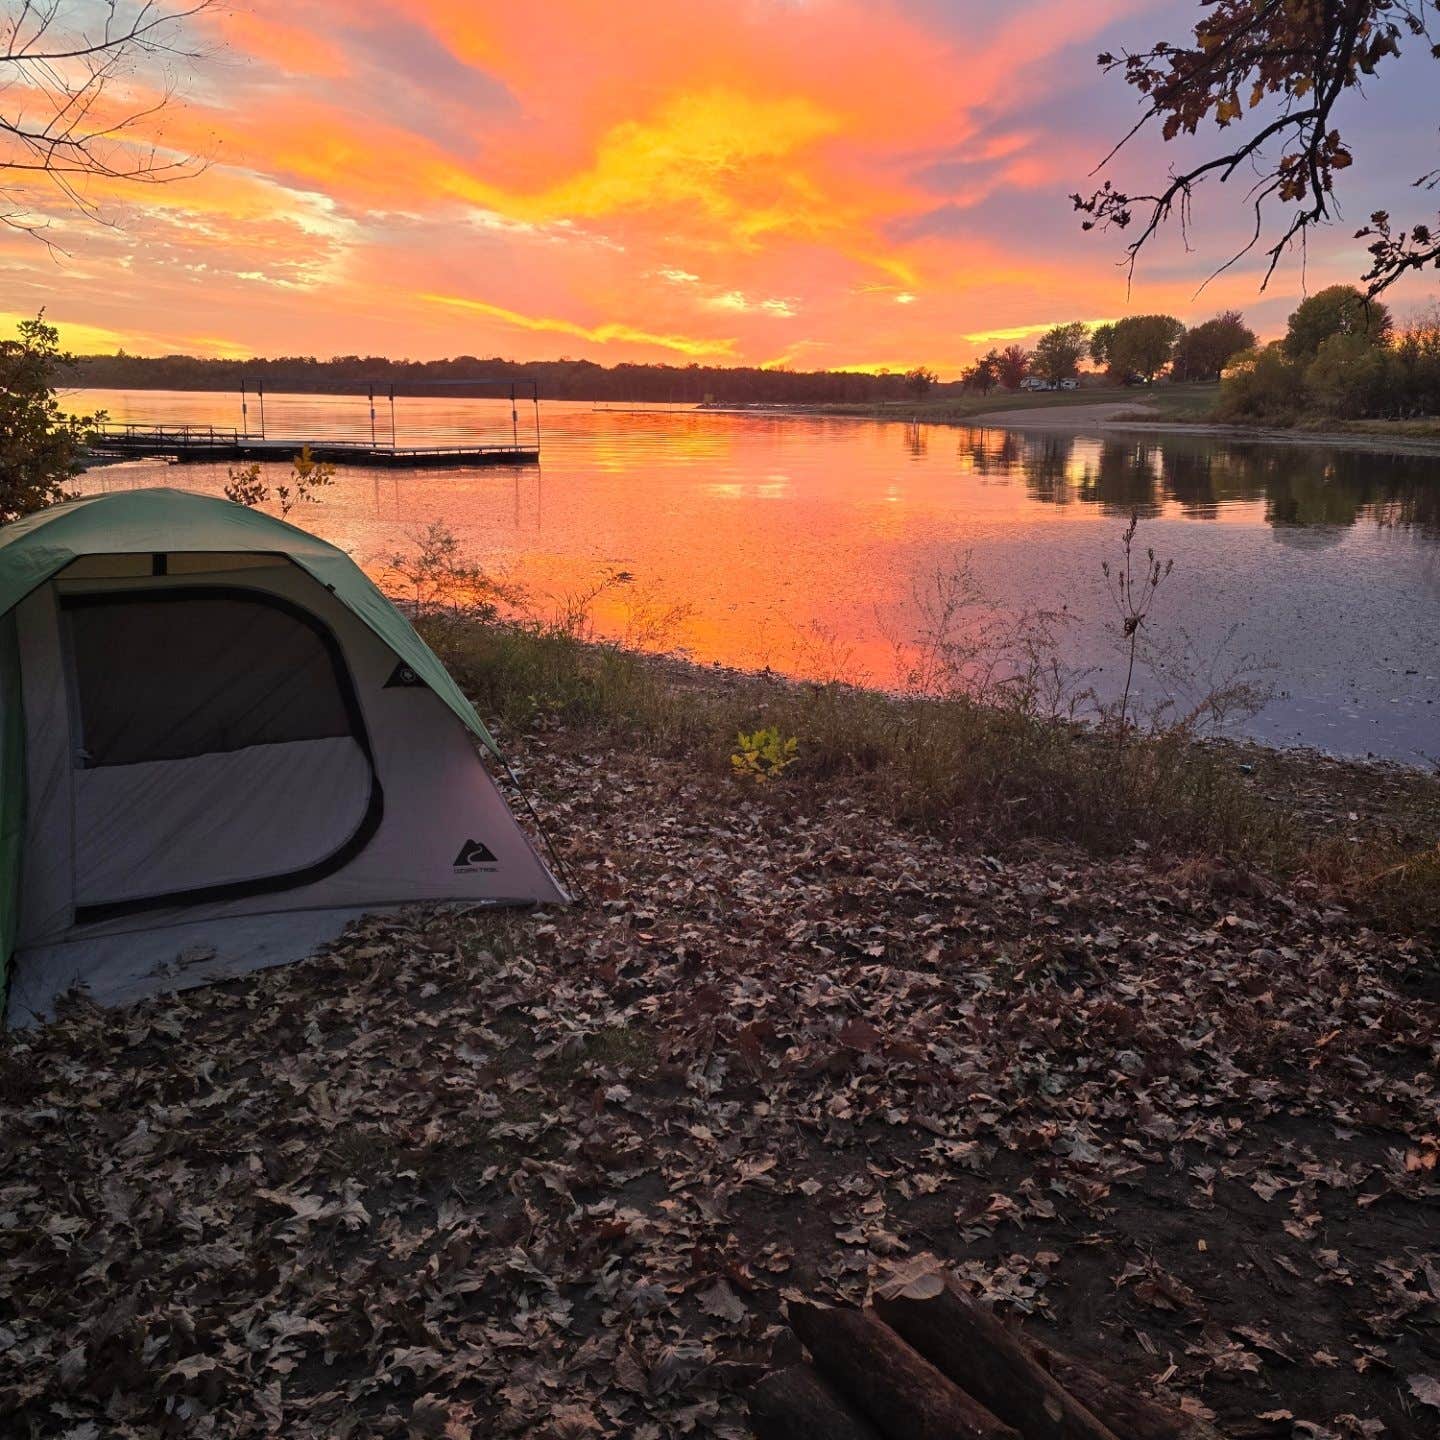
967, 1343
901, 1393
1136, 1417
798, 1404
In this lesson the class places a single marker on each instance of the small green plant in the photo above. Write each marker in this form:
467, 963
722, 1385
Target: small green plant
246, 486
764, 754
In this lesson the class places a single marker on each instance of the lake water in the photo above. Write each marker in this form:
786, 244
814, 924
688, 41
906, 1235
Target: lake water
803, 544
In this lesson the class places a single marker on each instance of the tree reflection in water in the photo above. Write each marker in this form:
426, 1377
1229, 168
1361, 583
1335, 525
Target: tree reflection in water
1300, 486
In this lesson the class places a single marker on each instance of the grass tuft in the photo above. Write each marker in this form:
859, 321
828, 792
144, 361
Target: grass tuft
991, 770
1397, 887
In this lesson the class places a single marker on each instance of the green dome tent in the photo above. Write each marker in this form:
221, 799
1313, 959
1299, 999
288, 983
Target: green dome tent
218, 744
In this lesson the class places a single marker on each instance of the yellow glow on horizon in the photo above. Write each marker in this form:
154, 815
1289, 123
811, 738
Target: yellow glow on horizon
1024, 332
604, 334
81, 339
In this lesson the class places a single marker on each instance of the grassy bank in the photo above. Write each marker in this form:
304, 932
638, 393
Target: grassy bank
995, 774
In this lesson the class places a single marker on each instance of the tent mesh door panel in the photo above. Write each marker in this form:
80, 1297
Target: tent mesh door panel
150, 688
193, 709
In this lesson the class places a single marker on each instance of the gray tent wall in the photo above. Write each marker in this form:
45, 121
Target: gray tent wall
143, 874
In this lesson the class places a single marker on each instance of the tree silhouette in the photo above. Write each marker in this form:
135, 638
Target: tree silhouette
1202, 353
1059, 351
1013, 366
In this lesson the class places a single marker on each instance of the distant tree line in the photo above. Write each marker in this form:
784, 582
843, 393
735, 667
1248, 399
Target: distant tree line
563, 379
1341, 356
1136, 349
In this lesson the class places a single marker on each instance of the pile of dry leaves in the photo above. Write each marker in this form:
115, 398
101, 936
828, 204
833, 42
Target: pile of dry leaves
552, 1175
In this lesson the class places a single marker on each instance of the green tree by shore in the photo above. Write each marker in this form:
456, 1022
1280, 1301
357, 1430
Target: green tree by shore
1341, 358
1137, 345
1203, 352
40, 446
1059, 351
1338, 310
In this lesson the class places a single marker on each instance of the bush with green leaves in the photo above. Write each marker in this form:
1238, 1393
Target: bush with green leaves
1264, 384
1342, 358
1349, 377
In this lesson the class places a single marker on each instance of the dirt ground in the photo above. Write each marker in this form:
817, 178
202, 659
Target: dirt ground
554, 1174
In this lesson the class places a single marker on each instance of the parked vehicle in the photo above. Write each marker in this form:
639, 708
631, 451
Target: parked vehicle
1034, 382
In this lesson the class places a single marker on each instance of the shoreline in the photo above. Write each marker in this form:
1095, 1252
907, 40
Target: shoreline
1107, 416
694, 706
717, 678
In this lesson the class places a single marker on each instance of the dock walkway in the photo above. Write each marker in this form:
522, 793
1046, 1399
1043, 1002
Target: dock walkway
194, 443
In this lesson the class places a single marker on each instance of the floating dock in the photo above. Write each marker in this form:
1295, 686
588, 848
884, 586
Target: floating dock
381, 442
191, 444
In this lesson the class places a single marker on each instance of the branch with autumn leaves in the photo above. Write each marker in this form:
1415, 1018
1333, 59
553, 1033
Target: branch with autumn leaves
1302, 57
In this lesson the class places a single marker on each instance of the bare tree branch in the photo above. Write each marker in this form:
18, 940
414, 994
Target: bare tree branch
80, 86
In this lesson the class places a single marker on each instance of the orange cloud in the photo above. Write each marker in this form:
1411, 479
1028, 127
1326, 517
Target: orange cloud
725, 179
719, 152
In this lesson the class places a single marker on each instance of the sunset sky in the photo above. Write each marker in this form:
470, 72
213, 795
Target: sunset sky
809, 182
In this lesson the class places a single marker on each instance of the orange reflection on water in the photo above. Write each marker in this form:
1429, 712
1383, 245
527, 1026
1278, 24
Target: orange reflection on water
812, 545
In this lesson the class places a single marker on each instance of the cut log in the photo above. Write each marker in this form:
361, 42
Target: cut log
799, 1404
1136, 1417
967, 1343
900, 1392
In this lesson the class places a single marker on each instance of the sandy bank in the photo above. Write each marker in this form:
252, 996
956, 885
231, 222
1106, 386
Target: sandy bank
1137, 417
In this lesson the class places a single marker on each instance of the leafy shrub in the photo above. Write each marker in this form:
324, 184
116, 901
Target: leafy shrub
247, 485
1350, 374
1264, 384
764, 754
40, 448
1348, 377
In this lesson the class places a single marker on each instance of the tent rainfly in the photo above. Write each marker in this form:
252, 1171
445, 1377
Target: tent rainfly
219, 743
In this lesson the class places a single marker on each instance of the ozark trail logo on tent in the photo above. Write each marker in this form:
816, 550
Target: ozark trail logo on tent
473, 854
402, 677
